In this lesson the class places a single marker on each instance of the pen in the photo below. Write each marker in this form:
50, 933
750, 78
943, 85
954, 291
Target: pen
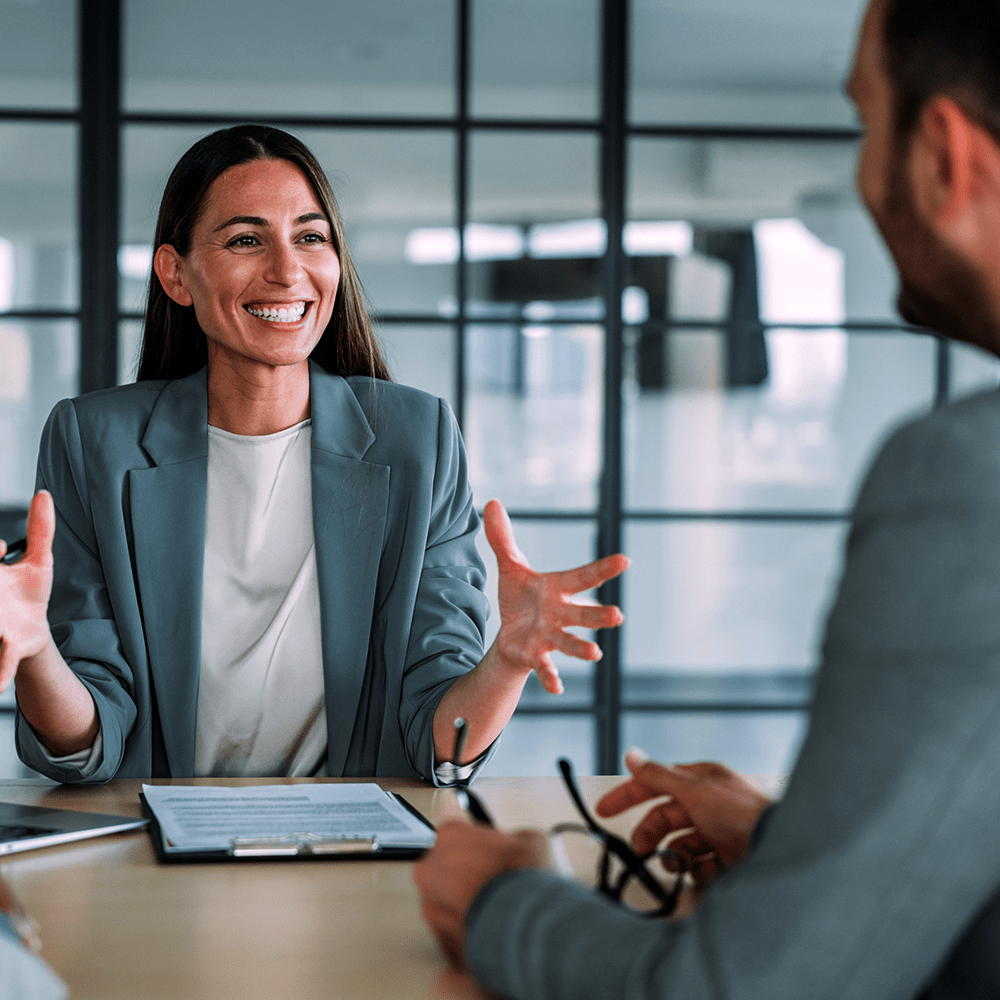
14, 552
25, 928
468, 800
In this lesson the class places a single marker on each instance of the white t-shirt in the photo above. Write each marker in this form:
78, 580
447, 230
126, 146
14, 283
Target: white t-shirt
261, 708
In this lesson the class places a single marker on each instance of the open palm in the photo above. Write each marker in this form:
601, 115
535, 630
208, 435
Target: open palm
537, 608
24, 591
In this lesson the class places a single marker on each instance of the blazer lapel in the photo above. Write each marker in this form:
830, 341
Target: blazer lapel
168, 522
350, 503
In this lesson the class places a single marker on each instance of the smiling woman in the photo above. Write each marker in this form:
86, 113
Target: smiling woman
260, 559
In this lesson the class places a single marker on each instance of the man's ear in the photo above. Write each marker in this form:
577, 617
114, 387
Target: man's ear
168, 265
952, 158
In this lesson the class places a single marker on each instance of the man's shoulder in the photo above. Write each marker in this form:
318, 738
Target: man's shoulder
953, 452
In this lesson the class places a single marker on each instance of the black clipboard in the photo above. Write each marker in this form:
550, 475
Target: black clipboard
295, 847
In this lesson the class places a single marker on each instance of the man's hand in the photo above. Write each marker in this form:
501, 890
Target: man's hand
721, 806
536, 608
453, 872
24, 591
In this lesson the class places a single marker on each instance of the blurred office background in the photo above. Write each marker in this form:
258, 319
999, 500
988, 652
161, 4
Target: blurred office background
620, 236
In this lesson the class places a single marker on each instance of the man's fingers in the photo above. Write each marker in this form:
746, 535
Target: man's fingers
41, 529
625, 796
658, 823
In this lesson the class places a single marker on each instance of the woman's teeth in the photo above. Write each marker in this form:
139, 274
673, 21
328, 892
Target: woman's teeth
284, 314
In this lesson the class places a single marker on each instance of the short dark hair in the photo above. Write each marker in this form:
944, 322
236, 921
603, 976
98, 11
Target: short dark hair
944, 47
173, 344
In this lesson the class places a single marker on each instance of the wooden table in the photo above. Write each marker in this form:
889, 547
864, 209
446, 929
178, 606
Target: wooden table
118, 925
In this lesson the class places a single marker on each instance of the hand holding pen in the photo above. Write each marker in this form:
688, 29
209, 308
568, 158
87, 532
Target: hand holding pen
468, 800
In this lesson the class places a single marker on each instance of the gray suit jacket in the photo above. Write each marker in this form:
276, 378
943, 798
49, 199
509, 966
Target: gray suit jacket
400, 580
878, 874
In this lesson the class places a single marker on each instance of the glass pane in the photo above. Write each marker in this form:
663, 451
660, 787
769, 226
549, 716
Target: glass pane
421, 356
536, 240
972, 370
389, 185
535, 59
732, 63
379, 57
798, 440
533, 414
754, 230
531, 745
40, 366
38, 216
709, 597
549, 546
755, 743
38, 55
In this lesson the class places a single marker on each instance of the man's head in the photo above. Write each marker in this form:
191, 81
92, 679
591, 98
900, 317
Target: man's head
926, 82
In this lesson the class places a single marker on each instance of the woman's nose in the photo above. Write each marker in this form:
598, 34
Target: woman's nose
283, 266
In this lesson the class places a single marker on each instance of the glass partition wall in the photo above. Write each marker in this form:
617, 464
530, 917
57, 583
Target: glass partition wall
621, 238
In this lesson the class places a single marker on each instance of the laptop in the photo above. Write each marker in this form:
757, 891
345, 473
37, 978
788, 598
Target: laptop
23, 828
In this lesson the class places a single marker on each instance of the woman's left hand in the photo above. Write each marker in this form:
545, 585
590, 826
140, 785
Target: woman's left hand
536, 608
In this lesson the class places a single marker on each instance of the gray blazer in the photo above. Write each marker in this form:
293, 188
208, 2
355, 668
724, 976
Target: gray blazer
400, 580
877, 877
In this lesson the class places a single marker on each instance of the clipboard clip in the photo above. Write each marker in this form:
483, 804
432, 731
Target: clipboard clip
292, 844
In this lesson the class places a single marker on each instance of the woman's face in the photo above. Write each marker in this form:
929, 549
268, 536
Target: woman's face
261, 273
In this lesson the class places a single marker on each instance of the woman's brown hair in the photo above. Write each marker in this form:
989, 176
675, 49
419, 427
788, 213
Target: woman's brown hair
173, 344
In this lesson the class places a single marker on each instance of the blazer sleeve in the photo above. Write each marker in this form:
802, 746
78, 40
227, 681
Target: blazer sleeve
80, 614
450, 609
882, 856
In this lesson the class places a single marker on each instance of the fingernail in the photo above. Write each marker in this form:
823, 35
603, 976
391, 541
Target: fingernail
636, 756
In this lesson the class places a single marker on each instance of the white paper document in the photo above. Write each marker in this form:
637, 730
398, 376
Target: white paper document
211, 817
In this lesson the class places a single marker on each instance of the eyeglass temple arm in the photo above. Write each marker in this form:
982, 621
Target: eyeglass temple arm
633, 862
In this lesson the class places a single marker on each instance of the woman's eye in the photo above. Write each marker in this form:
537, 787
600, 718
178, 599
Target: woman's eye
314, 238
246, 240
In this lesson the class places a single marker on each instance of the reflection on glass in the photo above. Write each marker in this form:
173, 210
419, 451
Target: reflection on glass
421, 356
535, 59
792, 206
38, 53
533, 414
531, 745
741, 64
40, 366
754, 743
38, 213
549, 546
379, 57
536, 195
972, 370
798, 440
710, 597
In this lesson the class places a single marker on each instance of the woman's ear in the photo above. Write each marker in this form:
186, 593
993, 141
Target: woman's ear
168, 265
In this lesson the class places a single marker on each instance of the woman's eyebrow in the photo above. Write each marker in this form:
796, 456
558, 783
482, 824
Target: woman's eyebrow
242, 220
256, 220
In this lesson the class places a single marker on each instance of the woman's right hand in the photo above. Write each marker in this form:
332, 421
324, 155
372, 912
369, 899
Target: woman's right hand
24, 591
